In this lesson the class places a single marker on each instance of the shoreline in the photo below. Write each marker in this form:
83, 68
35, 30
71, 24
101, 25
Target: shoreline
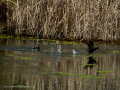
22, 37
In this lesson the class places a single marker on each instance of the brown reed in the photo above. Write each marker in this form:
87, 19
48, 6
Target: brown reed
66, 19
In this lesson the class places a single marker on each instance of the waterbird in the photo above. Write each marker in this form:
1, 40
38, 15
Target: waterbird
91, 47
36, 47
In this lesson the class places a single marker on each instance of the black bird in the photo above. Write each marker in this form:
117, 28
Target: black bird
36, 47
91, 47
91, 62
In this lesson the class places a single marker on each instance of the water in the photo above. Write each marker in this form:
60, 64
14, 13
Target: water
58, 66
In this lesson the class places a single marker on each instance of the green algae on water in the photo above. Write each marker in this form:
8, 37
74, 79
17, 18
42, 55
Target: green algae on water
104, 72
27, 58
9, 55
55, 76
115, 51
68, 58
80, 66
89, 64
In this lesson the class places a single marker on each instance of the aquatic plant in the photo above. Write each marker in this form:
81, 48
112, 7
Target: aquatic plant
104, 72
115, 51
27, 58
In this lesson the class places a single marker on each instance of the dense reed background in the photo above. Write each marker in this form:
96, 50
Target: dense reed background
64, 19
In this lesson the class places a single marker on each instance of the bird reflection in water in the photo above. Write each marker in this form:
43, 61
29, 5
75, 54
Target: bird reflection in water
91, 62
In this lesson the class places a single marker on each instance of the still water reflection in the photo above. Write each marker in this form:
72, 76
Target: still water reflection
58, 66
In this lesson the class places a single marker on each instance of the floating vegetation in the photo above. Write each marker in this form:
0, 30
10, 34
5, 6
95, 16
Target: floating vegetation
89, 64
53, 72
90, 76
30, 37
27, 58
89, 55
52, 40
70, 74
18, 37
3, 36
35, 39
72, 42
104, 72
115, 51
80, 66
23, 38
9, 55
98, 55
55, 76
79, 59
23, 86
43, 72
36, 51
23, 58
53, 88
84, 59
63, 42
17, 57
80, 75
68, 58
115, 79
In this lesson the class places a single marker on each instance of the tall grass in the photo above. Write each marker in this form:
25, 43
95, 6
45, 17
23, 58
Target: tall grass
67, 19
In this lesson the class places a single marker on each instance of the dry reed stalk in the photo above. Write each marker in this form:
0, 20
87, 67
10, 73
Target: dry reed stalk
73, 19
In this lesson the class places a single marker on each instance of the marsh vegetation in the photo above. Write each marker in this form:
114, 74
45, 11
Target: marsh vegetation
63, 19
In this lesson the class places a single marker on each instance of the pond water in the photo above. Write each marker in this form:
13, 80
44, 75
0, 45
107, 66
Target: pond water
58, 66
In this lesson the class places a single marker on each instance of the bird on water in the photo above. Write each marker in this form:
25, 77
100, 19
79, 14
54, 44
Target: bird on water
36, 47
91, 47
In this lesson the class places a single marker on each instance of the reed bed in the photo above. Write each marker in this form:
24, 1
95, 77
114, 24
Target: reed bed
66, 19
